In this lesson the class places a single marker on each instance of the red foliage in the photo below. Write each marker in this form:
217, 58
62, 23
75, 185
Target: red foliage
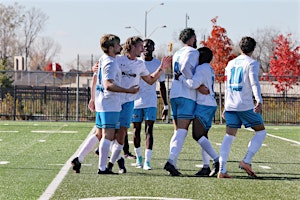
221, 47
285, 64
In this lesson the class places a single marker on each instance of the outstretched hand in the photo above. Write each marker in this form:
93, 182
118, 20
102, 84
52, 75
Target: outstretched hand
166, 62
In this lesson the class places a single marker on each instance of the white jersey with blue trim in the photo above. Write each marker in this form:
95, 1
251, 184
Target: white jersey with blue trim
242, 84
132, 70
146, 96
107, 101
184, 60
204, 75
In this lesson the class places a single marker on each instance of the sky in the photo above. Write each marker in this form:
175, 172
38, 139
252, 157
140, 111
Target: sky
77, 25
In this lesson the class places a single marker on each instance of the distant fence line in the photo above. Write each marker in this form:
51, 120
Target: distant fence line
68, 97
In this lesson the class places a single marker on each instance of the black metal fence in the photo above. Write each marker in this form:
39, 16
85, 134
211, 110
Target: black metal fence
70, 104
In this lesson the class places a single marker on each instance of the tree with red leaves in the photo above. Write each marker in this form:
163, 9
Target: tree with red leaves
285, 64
221, 47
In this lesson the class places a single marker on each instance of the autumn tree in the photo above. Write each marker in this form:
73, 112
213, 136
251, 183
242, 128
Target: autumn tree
221, 47
285, 64
264, 47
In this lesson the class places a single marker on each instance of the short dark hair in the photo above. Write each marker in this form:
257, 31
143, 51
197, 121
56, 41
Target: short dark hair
186, 34
206, 55
247, 44
150, 41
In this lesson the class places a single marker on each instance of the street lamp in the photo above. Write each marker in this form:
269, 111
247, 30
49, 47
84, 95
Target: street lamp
146, 15
139, 32
164, 26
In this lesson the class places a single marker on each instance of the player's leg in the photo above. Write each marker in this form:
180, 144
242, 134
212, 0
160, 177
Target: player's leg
109, 124
255, 121
137, 119
201, 124
150, 117
232, 124
184, 110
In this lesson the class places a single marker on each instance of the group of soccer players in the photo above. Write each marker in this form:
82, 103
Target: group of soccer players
123, 92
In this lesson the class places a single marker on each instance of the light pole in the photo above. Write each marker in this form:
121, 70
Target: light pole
164, 26
146, 15
139, 32
186, 19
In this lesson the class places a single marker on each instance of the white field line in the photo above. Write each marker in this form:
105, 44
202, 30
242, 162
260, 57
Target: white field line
274, 136
62, 173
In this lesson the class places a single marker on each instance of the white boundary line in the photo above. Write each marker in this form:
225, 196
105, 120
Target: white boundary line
62, 173
274, 136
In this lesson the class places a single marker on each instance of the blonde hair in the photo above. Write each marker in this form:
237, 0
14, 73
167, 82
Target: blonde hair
108, 40
131, 41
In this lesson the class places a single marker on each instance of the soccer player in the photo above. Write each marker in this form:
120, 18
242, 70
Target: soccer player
133, 69
205, 110
108, 96
182, 98
241, 85
145, 106
93, 139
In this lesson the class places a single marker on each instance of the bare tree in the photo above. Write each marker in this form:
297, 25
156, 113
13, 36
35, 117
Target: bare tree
43, 52
33, 23
10, 22
264, 46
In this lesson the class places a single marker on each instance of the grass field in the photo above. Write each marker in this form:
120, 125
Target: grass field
33, 153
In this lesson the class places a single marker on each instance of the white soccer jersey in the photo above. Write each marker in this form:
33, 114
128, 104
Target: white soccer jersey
132, 70
107, 101
204, 75
184, 60
146, 96
241, 84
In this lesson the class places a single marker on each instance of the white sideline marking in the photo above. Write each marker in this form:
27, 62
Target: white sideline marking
9, 131
264, 167
133, 197
62, 173
274, 136
47, 131
4, 162
1, 140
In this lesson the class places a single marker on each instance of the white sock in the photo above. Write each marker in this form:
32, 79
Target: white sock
254, 145
138, 151
177, 145
87, 147
224, 151
103, 153
205, 158
116, 152
148, 155
206, 145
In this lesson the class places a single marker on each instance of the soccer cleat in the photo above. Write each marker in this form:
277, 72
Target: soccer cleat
215, 169
171, 169
203, 172
248, 169
109, 166
76, 165
97, 151
106, 171
147, 166
139, 162
121, 164
220, 175
129, 156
